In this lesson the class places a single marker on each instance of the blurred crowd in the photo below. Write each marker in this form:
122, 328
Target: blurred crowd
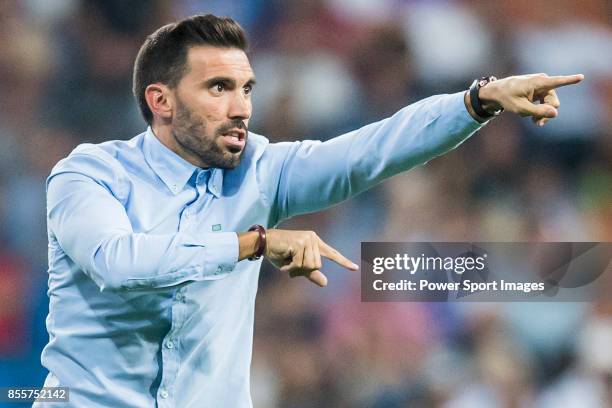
325, 67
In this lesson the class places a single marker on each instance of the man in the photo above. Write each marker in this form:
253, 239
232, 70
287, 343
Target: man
155, 243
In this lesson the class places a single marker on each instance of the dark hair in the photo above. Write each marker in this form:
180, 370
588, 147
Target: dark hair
163, 56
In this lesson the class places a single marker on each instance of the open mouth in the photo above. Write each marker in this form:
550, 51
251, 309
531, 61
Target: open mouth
234, 140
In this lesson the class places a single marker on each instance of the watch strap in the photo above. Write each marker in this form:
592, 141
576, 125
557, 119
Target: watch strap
475, 100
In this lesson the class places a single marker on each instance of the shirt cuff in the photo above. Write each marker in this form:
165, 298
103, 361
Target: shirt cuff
466, 113
221, 254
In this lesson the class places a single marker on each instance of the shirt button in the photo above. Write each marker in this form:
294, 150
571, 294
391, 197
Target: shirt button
170, 344
163, 393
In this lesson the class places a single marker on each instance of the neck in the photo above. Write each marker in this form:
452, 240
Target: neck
163, 132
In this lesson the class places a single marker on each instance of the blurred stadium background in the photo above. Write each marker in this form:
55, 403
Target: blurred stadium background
325, 67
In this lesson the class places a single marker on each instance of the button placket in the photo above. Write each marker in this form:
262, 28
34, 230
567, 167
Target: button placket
170, 350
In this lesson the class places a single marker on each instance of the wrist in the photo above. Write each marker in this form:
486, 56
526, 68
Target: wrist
248, 243
261, 242
483, 91
470, 109
488, 98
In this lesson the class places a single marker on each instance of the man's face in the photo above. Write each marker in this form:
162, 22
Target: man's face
213, 106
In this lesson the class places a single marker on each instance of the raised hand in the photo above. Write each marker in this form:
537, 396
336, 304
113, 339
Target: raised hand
528, 95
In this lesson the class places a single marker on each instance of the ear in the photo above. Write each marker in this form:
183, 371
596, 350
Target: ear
160, 100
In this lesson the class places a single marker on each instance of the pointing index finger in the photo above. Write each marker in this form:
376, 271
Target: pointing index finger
562, 80
332, 254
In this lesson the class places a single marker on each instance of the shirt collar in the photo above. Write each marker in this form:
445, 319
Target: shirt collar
215, 182
211, 179
172, 169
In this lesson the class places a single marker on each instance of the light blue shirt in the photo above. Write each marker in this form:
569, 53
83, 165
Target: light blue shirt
148, 304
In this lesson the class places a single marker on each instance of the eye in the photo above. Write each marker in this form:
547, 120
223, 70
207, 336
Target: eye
218, 88
248, 89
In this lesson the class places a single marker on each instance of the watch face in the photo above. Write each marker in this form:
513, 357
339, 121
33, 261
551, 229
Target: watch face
483, 82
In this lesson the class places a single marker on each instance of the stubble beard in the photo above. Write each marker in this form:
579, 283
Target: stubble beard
189, 131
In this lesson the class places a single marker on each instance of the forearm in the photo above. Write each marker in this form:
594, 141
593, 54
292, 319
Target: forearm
146, 261
318, 175
164, 261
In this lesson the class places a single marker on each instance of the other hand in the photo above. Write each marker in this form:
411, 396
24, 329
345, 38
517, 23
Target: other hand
299, 253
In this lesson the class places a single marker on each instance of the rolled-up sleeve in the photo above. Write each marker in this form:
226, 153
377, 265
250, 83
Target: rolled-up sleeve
87, 218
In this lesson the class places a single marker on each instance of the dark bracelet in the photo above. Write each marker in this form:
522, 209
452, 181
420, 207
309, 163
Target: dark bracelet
475, 100
261, 242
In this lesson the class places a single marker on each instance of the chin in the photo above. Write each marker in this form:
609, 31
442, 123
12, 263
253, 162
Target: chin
232, 160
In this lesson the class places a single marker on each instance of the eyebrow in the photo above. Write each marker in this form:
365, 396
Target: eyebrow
226, 80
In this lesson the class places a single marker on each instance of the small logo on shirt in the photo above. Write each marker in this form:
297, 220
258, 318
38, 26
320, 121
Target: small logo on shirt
216, 227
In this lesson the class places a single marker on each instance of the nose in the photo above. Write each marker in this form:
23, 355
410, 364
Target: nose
240, 107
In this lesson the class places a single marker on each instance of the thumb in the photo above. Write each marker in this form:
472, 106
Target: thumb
318, 278
542, 110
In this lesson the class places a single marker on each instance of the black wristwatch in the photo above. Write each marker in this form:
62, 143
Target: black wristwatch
475, 100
